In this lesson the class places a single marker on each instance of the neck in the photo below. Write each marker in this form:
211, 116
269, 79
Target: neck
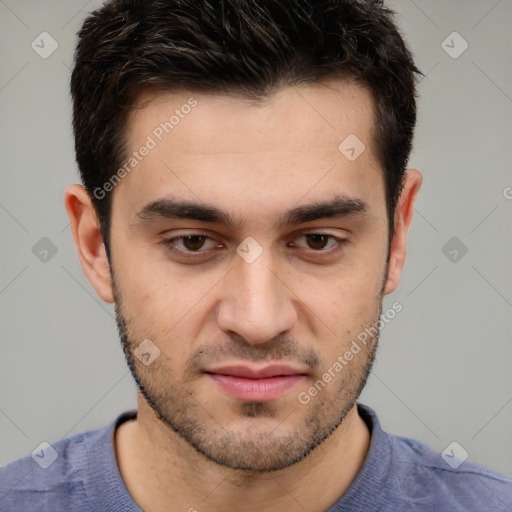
163, 472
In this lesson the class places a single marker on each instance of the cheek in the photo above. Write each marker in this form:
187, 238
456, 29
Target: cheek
344, 299
165, 307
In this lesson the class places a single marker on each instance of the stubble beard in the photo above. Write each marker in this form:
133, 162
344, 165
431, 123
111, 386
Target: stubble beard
253, 450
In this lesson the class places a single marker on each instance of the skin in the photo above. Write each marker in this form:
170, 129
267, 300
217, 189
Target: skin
301, 302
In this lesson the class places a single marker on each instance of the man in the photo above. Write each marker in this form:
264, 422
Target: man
245, 206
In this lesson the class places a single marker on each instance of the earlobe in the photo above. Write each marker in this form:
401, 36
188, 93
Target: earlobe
403, 217
85, 228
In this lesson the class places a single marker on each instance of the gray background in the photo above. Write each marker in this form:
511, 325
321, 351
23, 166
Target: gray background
443, 369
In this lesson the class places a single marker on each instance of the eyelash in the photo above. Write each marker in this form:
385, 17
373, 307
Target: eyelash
169, 244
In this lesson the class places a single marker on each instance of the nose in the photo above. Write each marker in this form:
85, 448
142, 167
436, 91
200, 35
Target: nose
256, 302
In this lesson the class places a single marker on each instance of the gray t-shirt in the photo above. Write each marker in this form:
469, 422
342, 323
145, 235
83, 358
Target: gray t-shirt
399, 474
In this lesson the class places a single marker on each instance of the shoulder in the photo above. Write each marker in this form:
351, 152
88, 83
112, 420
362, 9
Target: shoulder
423, 474
58, 476
46, 478
411, 476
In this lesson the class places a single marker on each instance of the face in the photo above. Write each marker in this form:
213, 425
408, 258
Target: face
251, 251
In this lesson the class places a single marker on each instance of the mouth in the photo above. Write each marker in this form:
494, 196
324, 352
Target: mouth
256, 384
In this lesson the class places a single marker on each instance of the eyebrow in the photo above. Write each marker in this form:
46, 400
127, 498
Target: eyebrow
173, 208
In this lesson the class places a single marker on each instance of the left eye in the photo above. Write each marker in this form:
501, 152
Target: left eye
319, 241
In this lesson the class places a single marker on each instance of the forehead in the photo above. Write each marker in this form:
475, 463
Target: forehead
292, 116
222, 147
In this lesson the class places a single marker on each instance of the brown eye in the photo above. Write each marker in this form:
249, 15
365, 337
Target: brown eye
193, 242
317, 241
320, 242
190, 245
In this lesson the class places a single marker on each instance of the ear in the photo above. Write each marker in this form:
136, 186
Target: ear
85, 228
403, 216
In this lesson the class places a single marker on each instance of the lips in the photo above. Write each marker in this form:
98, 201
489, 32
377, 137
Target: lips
253, 373
256, 384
